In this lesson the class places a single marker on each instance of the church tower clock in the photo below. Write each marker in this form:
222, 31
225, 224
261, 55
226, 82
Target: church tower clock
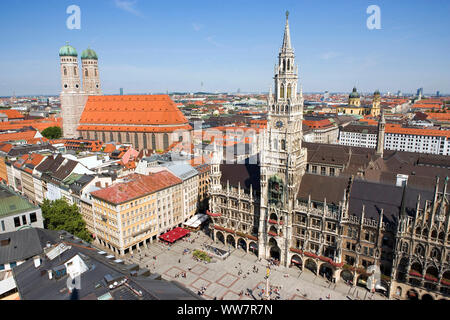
283, 160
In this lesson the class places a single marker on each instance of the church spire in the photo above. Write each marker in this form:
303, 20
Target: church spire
287, 35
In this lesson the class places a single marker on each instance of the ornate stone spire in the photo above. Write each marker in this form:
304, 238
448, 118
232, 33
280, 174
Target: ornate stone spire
287, 35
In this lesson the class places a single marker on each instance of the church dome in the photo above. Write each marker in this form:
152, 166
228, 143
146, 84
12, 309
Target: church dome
68, 51
377, 93
354, 94
89, 54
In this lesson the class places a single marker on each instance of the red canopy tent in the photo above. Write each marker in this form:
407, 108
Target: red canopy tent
174, 235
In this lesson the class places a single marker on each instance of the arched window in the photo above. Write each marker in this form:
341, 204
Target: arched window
86, 73
153, 141
103, 137
111, 137
420, 251
405, 247
75, 70
95, 135
282, 91
166, 141
136, 141
289, 89
289, 64
434, 234
119, 137
144, 137
65, 71
128, 137
418, 231
284, 65
441, 236
425, 232
435, 254
283, 145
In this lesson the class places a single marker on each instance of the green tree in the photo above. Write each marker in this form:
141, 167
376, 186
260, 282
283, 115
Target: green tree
59, 215
52, 133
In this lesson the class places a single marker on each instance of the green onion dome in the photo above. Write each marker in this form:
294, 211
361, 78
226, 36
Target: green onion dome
89, 54
354, 94
68, 51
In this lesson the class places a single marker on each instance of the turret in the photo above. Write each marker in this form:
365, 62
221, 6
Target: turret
91, 76
70, 76
381, 134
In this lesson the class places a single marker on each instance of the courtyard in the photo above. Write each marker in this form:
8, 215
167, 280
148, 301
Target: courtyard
241, 276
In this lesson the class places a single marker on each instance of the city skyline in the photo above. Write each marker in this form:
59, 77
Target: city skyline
145, 47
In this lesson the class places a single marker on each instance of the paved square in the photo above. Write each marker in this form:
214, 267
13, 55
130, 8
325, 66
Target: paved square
199, 283
227, 280
172, 272
199, 269
240, 271
297, 297
230, 295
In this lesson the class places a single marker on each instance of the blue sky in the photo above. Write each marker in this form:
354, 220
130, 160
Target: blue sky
148, 46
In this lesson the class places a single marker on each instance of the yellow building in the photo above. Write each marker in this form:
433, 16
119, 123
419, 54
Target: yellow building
376, 104
354, 106
132, 213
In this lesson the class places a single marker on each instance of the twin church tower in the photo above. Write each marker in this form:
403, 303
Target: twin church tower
74, 95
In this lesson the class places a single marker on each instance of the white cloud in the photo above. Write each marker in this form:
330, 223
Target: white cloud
196, 26
329, 55
210, 39
129, 6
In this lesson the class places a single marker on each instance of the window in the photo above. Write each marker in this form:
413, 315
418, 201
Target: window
3, 225
12, 264
332, 172
323, 171
2, 267
16, 222
166, 141
33, 217
314, 169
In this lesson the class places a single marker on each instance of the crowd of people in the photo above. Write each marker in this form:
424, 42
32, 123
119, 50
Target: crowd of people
201, 291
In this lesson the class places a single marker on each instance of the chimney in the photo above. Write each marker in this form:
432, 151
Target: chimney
402, 179
37, 261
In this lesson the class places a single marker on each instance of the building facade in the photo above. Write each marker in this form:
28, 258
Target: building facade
132, 213
74, 95
313, 206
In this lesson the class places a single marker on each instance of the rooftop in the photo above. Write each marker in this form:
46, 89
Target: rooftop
12, 203
137, 186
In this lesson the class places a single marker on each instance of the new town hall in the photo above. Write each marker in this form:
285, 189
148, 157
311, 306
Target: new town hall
336, 210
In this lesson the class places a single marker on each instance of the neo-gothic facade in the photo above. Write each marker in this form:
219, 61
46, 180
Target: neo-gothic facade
338, 224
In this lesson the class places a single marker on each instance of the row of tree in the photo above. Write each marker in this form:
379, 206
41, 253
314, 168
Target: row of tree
59, 215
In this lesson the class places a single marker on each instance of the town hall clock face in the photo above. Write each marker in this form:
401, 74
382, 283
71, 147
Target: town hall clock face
279, 124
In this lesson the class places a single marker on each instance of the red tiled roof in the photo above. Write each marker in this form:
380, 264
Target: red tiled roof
395, 128
109, 148
325, 123
6, 147
25, 135
146, 128
12, 114
136, 187
138, 110
38, 124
